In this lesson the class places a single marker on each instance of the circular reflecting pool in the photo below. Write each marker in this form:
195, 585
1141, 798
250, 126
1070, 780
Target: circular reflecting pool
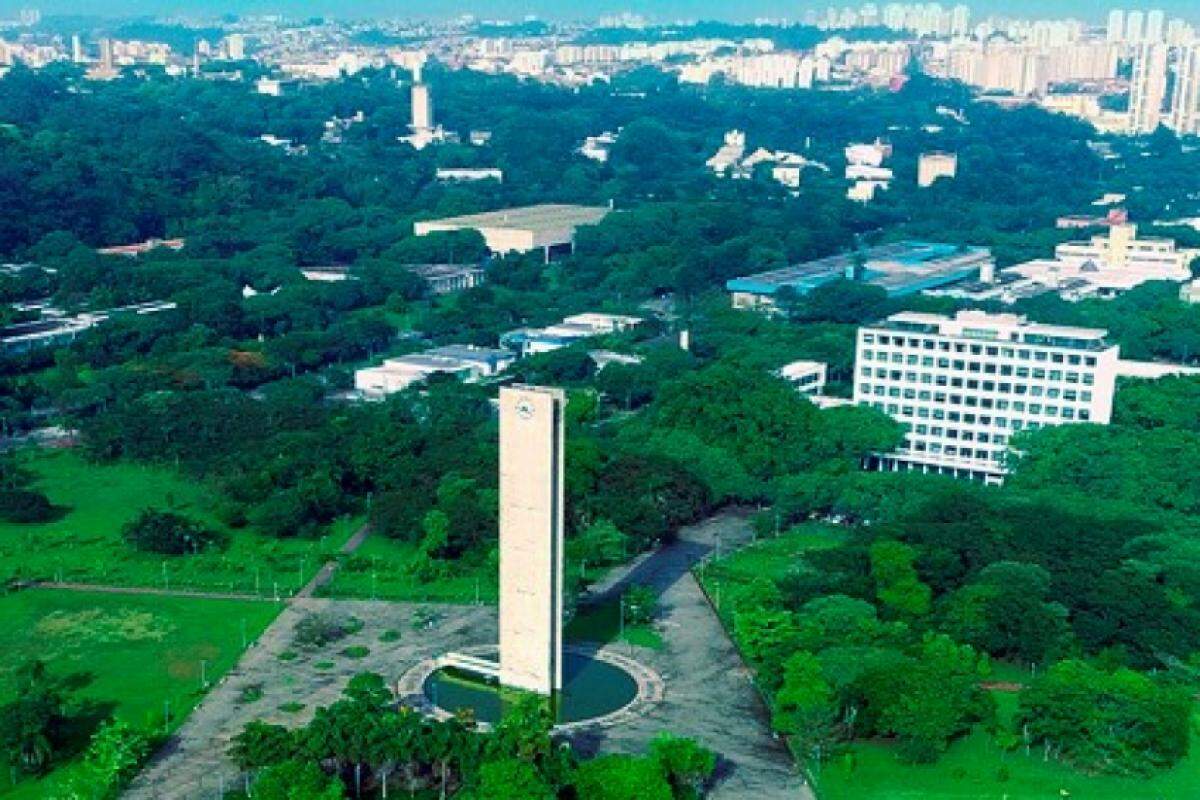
591, 688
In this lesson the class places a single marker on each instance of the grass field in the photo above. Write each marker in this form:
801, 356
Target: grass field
85, 545
380, 569
134, 654
771, 558
974, 768
601, 623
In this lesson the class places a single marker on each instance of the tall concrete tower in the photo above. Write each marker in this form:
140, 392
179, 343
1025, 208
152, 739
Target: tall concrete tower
531, 537
422, 104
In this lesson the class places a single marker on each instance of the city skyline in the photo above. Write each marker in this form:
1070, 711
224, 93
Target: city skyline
514, 10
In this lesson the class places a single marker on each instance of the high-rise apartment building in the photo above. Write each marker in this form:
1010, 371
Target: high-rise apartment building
1134, 26
962, 386
1156, 22
1116, 26
1184, 118
1147, 88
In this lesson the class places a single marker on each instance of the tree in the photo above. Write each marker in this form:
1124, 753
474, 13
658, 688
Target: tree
32, 724
511, 779
262, 745
169, 533
621, 777
116, 751
1005, 611
297, 780
600, 544
1115, 722
937, 700
897, 584
640, 604
25, 506
687, 765
805, 706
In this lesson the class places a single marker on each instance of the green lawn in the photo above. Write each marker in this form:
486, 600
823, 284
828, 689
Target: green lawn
771, 558
381, 569
971, 770
601, 623
134, 654
974, 768
85, 545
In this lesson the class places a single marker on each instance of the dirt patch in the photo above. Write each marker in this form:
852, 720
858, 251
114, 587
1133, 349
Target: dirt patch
97, 626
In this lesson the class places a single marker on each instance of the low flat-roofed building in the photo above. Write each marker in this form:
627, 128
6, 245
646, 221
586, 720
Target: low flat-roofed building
1190, 291
932, 167
550, 227
466, 362
962, 386
1104, 266
901, 268
469, 174
55, 329
448, 278
575, 328
1153, 370
807, 376
141, 248
333, 273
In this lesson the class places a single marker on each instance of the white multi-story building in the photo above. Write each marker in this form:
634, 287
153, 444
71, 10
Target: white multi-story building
962, 386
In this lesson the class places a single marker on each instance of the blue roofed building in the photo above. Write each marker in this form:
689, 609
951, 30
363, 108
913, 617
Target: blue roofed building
899, 268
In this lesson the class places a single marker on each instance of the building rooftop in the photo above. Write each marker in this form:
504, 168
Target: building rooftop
441, 270
540, 217
900, 268
997, 327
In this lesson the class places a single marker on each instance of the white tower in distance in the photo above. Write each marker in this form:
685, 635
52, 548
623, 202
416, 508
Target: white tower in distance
422, 104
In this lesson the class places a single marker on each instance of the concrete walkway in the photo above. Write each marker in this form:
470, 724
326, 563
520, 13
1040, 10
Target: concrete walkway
709, 695
193, 765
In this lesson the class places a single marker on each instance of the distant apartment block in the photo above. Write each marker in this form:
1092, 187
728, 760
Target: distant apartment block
962, 386
900, 268
932, 167
549, 228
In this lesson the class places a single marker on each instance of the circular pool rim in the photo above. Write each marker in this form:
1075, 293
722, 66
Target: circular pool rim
410, 689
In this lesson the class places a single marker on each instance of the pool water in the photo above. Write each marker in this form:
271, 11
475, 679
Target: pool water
591, 688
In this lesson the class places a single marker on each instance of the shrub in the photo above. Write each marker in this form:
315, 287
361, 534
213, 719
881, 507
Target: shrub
169, 533
319, 630
23, 505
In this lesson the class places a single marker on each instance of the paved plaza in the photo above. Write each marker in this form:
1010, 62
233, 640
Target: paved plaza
708, 694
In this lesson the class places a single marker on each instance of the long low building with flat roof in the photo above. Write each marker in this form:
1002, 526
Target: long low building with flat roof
465, 362
900, 268
550, 228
